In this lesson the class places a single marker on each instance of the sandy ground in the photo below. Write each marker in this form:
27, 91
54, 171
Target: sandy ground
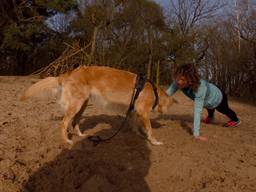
33, 157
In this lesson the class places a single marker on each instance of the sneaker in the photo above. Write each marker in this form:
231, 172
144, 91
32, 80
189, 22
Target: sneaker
232, 123
208, 120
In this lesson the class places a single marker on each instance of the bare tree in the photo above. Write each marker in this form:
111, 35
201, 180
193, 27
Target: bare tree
190, 12
248, 27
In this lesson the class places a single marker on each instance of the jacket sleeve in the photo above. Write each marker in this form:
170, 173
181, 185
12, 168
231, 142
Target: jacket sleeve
198, 107
172, 89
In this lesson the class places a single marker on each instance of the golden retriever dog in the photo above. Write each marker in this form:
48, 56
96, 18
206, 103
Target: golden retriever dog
108, 87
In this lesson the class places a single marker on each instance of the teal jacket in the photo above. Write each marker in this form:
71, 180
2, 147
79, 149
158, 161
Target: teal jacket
207, 95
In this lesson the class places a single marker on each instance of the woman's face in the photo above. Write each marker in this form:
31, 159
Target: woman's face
181, 81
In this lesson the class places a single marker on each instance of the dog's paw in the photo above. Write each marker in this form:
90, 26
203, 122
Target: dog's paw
155, 142
82, 134
70, 142
78, 131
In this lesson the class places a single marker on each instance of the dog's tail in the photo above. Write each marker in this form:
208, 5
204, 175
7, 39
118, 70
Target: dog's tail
39, 87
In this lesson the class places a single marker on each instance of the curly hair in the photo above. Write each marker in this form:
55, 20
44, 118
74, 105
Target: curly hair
189, 71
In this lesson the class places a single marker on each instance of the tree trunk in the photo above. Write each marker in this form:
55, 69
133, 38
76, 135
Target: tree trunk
94, 37
157, 72
149, 67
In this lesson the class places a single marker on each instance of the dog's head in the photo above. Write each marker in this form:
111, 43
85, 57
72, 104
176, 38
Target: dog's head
165, 102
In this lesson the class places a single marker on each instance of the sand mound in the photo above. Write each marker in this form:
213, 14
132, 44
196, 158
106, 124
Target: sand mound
34, 159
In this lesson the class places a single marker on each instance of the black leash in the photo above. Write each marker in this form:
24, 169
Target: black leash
139, 85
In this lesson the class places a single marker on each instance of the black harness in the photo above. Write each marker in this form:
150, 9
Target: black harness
139, 85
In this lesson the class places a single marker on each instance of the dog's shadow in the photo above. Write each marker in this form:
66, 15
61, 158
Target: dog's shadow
90, 122
115, 123
120, 164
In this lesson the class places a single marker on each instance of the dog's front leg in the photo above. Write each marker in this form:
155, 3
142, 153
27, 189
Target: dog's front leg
73, 108
148, 129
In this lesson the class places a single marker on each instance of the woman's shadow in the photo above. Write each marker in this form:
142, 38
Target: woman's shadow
120, 164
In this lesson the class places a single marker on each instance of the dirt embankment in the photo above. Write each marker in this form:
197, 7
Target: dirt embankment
33, 157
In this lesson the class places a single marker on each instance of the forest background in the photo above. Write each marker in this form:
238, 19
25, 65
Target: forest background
49, 37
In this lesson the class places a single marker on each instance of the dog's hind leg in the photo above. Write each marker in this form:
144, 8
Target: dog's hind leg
144, 117
73, 108
77, 118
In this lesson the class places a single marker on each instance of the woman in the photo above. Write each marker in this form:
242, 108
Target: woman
204, 94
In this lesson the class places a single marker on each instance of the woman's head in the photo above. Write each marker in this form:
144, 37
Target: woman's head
186, 75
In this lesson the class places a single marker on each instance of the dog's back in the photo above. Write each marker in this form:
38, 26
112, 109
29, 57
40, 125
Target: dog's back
108, 88
112, 85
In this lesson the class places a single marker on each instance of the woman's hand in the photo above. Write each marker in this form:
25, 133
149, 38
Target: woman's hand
201, 138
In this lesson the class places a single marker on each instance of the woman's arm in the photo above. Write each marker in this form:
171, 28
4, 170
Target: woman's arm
172, 89
198, 108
